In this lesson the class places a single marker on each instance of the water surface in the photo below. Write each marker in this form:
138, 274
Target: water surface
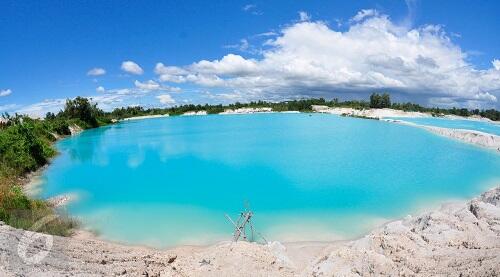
169, 181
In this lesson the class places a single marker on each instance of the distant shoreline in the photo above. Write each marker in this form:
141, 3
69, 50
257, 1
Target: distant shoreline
144, 117
481, 139
478, 138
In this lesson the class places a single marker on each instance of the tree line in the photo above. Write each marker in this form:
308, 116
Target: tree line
376, 100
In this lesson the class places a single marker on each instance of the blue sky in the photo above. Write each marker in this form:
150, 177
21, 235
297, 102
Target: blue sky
432, 52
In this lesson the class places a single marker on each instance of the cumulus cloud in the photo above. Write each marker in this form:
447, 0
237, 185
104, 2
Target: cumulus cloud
374, 53
229, 65
100, 89
148, 85
170, 73
151, 85
96, 71
132, 68
485, 96
303, 16
496, 64
5, 92
166, 99
362, 14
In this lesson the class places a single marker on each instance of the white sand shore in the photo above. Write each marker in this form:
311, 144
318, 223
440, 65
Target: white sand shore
144, 117
373, 113
472, 117
482, 139
248, 110
195, 113
458, 239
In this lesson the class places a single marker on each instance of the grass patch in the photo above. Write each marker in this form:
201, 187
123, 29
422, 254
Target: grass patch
19, 211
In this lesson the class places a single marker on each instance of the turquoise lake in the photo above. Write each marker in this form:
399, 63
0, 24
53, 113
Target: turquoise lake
169, 181
482, 126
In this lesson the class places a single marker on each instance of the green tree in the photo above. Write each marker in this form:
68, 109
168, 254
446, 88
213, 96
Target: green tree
378, 101
375, 100
81, 108
385, 100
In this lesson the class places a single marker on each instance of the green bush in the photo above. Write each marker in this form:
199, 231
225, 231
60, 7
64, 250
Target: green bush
24, 146
59, 126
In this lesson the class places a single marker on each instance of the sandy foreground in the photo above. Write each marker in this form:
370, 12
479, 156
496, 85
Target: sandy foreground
457, 239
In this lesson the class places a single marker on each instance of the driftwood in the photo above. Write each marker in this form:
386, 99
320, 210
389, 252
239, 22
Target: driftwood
243, 223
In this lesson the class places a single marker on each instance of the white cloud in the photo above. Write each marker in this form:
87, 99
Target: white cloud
170, 73
209, 80
166, 99
496, 64
362, 14
96, 71
5, 92
131, 67
160, 68
172, 78
107, 99
266, 34
100, 89
249, 7
231, 65
242, 46
148, 85
310, 58
485, 96
7, 107
303, 16
152, 86
410, 17
41, 108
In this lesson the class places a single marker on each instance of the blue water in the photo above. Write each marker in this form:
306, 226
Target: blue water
169, 181
482, 126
